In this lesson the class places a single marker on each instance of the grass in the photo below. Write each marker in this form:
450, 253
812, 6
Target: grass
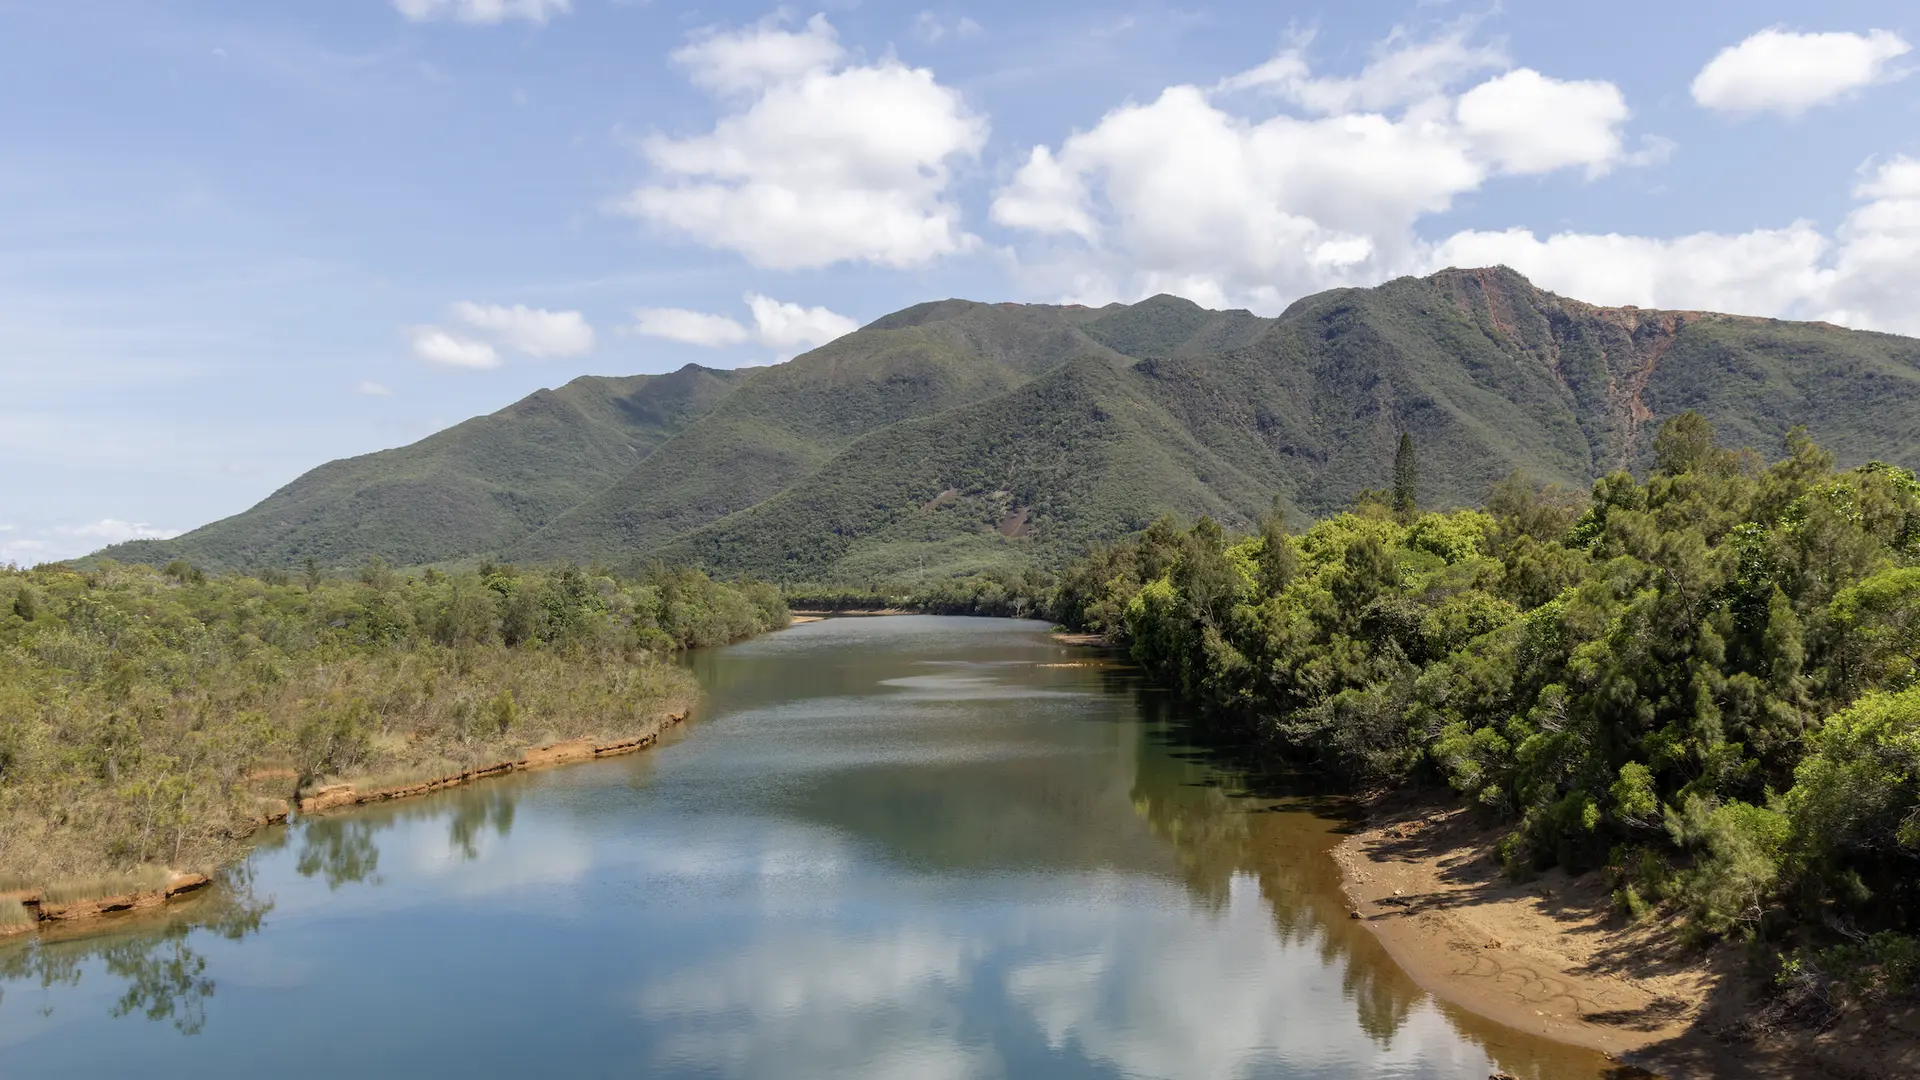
13, 913
138, 879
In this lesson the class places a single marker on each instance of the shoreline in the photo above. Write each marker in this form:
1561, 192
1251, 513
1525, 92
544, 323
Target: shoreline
331, 797
1550, 957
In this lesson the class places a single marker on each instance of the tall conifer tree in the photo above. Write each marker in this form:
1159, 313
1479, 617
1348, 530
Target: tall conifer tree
1406, 478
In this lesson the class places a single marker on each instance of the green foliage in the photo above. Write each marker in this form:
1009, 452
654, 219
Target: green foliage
145, 716
1674, 671
1406, 478
957, 439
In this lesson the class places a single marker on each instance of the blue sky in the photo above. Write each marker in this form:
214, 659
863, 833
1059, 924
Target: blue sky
240, 239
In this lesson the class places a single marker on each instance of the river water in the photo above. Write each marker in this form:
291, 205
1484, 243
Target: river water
900, 847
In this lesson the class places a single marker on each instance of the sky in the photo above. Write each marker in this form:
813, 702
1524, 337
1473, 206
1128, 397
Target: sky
238, 240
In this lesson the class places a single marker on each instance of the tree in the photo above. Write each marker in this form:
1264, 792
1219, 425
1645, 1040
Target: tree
1406, 478
311, 573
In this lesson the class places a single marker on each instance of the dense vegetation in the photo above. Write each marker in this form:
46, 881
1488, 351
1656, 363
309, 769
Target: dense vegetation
956, 438
1704, 682
148, 717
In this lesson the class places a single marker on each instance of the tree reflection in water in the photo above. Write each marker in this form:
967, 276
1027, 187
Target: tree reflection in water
343, 849
165, 977
1223, 821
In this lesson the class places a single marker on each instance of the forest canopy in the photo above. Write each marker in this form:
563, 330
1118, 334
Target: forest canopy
1703, 681
150, 717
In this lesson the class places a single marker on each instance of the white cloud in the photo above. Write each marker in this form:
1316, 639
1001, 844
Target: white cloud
114, 531
534, 331
690, 327
436, 346
1861, 276
1785, 72
372, 389
929, 27
488, 328
759, 56
789, 326
1767, 271
52, 543
1402, 71
1528, 123
785, 327
823, 160
482, 12
1185, 194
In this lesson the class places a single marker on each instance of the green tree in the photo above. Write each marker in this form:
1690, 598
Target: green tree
1406, 479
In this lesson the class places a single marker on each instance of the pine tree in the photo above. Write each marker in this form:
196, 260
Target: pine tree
1406, 478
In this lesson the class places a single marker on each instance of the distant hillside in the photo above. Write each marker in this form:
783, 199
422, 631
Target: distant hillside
953, 436
470, 489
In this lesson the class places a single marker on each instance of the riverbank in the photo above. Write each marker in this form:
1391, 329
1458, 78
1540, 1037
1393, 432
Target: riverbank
24, 911
344, 794
1550, 957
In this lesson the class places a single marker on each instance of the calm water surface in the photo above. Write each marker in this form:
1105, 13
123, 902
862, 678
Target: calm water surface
912, 847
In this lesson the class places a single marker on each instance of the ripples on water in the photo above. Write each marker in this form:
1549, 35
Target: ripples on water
915, 847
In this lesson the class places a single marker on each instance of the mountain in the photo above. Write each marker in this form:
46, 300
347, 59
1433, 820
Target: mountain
473, 488
955, 436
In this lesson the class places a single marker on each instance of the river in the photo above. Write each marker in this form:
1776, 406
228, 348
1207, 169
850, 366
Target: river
887, 847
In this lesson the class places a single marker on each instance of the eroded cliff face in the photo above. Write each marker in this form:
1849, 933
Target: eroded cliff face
1603, 356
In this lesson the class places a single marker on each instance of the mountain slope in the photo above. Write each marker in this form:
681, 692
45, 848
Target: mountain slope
785, 421
954, 435
470, 489
1486, 372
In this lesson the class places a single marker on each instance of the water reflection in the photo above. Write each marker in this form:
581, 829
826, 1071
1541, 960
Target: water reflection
162, 976
925, 847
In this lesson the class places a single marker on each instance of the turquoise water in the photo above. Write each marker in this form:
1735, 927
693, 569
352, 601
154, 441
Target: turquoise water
913, 847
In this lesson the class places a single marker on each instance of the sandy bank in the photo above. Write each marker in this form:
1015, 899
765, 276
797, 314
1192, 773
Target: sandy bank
1549, 956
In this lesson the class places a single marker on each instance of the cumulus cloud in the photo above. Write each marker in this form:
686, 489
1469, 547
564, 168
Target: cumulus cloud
819, 160
436, 346
482, 12
534, 331
1189, 194
785, 327
485, 329
1788, 73
760, 56
1524, 122
1861, 276
371, 389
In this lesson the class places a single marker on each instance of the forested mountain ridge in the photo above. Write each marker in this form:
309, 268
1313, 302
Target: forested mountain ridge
954, 436
469, 489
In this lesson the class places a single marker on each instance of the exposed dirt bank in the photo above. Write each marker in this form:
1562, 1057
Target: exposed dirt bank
44, 914
1549, 956
811, 614
335, 796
